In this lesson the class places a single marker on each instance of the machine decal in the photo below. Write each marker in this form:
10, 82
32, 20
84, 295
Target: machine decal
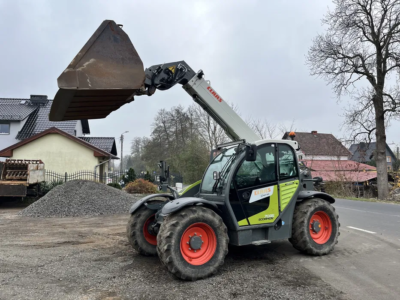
288, 189
261, 194
272, 212
214, 93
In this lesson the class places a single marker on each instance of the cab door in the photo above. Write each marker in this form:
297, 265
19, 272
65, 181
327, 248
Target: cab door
288, 174
256, 188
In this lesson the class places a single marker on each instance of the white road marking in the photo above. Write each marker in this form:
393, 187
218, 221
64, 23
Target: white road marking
361, 229
366, 211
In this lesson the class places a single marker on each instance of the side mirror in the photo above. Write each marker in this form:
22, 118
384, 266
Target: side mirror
251, 153
317, 179
216, 175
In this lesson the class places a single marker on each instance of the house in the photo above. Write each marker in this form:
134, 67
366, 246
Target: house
63, 152
23, 118
364, 153
27, 133
341, 170
319, 146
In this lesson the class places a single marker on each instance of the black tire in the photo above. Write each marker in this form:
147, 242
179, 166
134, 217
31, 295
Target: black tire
169, 242
135, 233
301, 237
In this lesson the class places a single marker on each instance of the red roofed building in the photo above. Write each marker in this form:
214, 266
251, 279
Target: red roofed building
341, 170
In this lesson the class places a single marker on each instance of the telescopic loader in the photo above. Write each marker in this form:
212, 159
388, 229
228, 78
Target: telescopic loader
253, 192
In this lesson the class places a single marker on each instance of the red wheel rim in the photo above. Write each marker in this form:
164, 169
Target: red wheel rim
195, 234
150, 237
320, 227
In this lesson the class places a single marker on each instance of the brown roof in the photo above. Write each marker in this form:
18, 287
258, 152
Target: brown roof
8, 152
319, 144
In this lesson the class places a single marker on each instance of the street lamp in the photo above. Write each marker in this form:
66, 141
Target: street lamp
122, 147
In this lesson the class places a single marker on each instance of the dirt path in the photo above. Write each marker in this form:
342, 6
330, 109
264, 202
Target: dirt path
89, 258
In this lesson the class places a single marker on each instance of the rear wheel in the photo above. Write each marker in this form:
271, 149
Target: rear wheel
193, 243
140, 232
315, 228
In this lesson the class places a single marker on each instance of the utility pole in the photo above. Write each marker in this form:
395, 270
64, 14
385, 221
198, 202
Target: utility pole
122, 150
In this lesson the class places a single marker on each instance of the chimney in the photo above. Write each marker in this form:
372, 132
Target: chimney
38, 99
314, 132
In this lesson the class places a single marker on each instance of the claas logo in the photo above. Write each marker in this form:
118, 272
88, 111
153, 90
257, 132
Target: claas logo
263, 191
214, 94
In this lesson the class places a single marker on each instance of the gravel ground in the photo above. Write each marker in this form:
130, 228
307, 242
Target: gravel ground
89, 258
81, 198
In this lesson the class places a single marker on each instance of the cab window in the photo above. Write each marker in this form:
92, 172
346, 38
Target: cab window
287, 162
263, 170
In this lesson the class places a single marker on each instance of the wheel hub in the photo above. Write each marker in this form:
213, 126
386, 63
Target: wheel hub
320, 226
151, 229
195, 242
198, 244
316, 226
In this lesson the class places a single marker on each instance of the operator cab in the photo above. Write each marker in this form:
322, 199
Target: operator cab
259, 189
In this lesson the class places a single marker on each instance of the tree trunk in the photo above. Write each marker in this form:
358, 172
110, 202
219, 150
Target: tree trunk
381, 164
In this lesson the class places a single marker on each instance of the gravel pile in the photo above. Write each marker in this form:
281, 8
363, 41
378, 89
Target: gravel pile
81, 198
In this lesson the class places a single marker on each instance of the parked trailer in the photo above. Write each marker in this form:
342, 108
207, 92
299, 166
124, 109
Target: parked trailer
17, 176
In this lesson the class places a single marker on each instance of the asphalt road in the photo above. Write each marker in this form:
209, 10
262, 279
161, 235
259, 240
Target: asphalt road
366, 262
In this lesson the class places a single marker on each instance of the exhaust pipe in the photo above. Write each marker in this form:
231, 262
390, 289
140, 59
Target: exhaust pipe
102, 77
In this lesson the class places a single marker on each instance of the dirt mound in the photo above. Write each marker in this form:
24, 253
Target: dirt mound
81, 198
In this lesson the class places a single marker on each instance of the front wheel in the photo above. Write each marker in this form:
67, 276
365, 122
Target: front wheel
315, 227
140, 232
193, 243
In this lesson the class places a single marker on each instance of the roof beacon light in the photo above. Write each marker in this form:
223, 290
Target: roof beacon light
292, 135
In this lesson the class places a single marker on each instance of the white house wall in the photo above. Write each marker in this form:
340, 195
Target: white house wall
58, 153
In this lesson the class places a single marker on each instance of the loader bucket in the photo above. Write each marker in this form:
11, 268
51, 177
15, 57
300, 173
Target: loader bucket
101, 78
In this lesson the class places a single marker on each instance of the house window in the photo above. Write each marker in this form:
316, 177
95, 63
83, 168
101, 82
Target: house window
389, 168
388, 159
4, 128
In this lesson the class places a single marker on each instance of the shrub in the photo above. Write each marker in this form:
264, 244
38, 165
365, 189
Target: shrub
141, 186
130, 176
148, 177
46, 187
115, 185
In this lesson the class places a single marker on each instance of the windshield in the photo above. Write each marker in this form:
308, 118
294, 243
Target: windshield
227, 155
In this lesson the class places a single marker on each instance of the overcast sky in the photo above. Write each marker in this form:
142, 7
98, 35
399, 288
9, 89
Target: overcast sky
253, 52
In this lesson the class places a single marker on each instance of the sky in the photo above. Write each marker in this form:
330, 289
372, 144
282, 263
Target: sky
253, 52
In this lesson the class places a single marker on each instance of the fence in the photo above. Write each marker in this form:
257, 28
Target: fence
106, 177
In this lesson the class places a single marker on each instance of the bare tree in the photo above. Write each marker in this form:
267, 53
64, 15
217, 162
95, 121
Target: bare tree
283, 128
210, 132
264, 128
357, 54
267, 130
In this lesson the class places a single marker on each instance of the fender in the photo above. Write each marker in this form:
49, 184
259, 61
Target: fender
180, 203
304, 195
140, 202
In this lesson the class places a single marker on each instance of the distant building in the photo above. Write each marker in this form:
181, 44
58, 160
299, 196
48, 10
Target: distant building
365, 153
23, 118
341, 170
62, 152
27, 133
319, 146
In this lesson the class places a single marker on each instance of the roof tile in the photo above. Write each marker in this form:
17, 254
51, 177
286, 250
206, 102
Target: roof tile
105, 143
319, 144
15, 109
